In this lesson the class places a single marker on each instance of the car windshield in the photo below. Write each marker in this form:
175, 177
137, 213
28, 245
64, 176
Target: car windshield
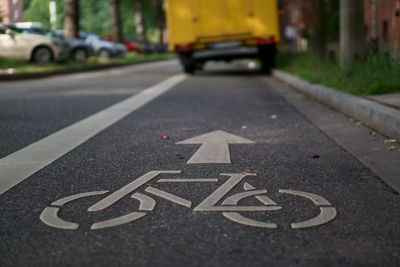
16, 29
86, 35
33, 30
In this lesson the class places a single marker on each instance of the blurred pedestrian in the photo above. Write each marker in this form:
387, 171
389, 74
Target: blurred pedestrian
290, 36
303, 37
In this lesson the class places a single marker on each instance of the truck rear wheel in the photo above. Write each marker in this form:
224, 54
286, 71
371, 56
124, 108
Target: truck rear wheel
200, 66
189, 68
267, 64
188, 63
267, 54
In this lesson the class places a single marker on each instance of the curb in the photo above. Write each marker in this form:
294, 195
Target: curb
379, 117
41, 75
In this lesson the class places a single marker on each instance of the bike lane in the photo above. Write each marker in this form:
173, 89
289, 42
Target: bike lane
31, 110
274, 153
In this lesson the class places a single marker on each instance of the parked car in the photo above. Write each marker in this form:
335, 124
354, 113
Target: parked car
130, 45
16, 44
120, 49
78, 49
74, 49
101, 47
149, 48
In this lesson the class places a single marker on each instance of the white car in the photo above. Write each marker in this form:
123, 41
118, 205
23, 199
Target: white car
17, 44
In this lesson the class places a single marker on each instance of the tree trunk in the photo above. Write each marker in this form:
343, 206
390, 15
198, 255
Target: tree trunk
139, 23
71, 18
374, 27
161, 21
319, 22
116, 17
352, 31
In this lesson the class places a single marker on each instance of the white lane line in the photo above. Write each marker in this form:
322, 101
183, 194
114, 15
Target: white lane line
122, 70
18, 166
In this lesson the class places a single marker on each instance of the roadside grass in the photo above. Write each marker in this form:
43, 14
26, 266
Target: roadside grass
378, 74
8, 66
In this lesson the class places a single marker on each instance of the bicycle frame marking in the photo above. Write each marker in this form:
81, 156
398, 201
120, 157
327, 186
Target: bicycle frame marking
229, 206
127, 189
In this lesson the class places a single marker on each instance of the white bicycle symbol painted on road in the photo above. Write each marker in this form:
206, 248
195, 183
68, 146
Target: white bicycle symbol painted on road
229, 206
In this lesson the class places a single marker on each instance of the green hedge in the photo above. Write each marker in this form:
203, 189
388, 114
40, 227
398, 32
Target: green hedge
378, 74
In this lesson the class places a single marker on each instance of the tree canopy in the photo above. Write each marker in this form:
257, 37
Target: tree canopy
95, 16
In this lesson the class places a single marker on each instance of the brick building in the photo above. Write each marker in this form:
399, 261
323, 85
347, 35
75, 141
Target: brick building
11, 10
382, 19
296, 12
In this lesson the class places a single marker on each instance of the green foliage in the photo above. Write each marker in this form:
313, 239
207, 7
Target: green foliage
27, 3
95, 16
379, 74
10, 63
38, 11
149, 14
332, 25
128, 19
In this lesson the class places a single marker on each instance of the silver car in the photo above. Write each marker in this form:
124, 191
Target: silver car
40, 49
103, 48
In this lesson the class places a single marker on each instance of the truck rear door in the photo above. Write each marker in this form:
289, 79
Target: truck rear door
207, 18
222, 18
236, 14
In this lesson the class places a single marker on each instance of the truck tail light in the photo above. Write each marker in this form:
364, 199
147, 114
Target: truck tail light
266, 40
183, 48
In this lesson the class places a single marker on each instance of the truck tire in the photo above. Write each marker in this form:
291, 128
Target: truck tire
267, 55
189, 65
200, 66
189, 68
267, 64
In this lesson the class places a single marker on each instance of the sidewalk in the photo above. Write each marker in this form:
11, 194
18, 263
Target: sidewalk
9, 75
391, 100
381, 113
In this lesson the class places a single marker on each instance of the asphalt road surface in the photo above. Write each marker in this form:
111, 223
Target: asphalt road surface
143, 166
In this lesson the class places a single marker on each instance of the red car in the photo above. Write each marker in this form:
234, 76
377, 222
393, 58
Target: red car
130, 46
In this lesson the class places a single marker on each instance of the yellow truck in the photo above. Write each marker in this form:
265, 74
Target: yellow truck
203, 30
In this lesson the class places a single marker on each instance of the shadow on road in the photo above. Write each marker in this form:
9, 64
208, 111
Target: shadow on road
230, 69
230, 72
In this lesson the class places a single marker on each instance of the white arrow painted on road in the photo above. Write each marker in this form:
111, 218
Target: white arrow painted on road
214, 147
